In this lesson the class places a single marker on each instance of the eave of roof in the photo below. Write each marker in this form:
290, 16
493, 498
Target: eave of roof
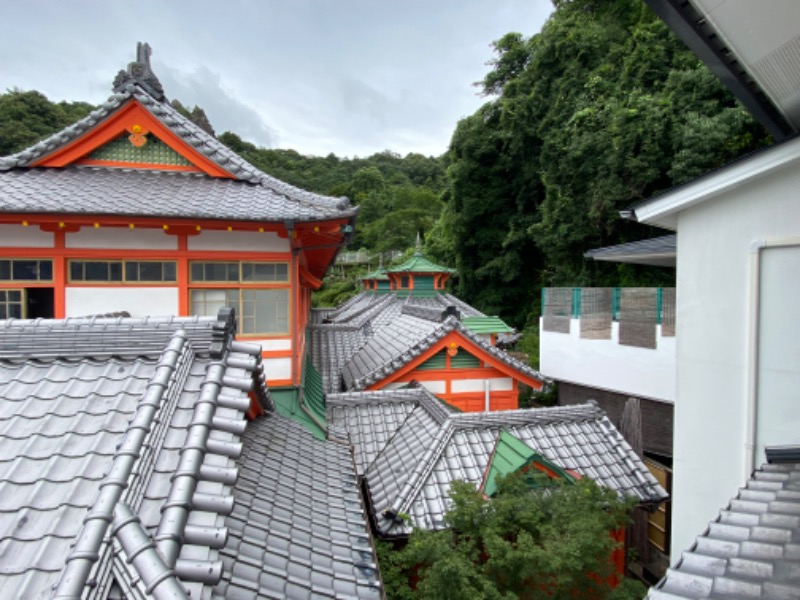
659, 252
662, 210
705, 34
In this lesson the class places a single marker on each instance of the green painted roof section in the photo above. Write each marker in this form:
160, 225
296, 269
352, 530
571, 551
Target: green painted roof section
287, 405
486, 325
419, 264
314, 393
512, 455
376, 274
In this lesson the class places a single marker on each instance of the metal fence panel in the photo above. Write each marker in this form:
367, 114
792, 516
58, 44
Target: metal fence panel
638, 315
557, 309
596, 313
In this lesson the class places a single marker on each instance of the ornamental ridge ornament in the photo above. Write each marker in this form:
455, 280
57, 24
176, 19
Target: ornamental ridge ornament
140, 73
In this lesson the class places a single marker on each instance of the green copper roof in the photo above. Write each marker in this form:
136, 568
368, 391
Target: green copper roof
512, 455
379, 273
420, 264
486, 325
312, 412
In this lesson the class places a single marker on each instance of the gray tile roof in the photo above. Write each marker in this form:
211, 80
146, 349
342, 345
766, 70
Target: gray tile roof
249, 187
371, 419
299, 513
660, 251
410, 474
373, 335
130, 431
143, 193
752, 550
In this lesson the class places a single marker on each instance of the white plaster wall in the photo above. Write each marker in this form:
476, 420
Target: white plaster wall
606, 364
27, 237
497, 384
121, 238
138, 301
252, 241
277, 368
713, 277
435, 387
272, 344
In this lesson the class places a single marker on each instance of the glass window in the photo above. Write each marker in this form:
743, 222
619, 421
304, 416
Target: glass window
265, 272
215, 271
246, 272
258, 311
11, 304
132, 271
405, 281
150, 271
26, 270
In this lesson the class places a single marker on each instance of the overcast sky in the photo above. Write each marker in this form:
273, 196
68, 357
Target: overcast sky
351, 77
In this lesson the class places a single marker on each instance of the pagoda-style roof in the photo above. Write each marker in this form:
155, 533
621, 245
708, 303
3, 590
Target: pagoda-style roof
419, 264
176, 170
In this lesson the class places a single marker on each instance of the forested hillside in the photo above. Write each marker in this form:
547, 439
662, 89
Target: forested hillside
604, 107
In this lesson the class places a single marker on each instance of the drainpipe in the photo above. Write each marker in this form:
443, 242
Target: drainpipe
751, 404
294, 295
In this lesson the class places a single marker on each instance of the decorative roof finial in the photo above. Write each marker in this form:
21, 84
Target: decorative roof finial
419, 245
141, 73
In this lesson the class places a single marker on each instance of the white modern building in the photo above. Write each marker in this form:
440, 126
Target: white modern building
738, 265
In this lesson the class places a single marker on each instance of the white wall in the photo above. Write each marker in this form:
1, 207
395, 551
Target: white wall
138, 301
267, 241
121, 238
496, 384
607, 364
714, 272
26, 237
276, 369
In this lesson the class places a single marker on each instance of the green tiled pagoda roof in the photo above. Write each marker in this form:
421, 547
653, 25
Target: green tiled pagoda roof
376, 274
486, 325
512, 455
420, 264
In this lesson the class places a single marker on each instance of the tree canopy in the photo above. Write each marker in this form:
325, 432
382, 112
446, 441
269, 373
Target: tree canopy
604, 107
518, 544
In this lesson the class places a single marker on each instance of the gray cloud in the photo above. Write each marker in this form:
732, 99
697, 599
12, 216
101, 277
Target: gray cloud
351, 77
204, 88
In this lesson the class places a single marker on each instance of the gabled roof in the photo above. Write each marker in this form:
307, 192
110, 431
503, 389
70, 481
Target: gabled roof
371, 336
512, 455
409, 478
752, 549
238, 191
130, 431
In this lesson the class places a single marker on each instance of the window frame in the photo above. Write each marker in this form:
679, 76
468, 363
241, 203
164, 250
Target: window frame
23, 302
241, 285
24, 282
124, 281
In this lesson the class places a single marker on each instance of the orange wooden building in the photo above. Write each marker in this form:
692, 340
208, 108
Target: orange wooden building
406, 327
136, 209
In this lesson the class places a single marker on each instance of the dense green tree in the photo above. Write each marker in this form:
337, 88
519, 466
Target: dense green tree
518, 544
27, 117
603, 108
